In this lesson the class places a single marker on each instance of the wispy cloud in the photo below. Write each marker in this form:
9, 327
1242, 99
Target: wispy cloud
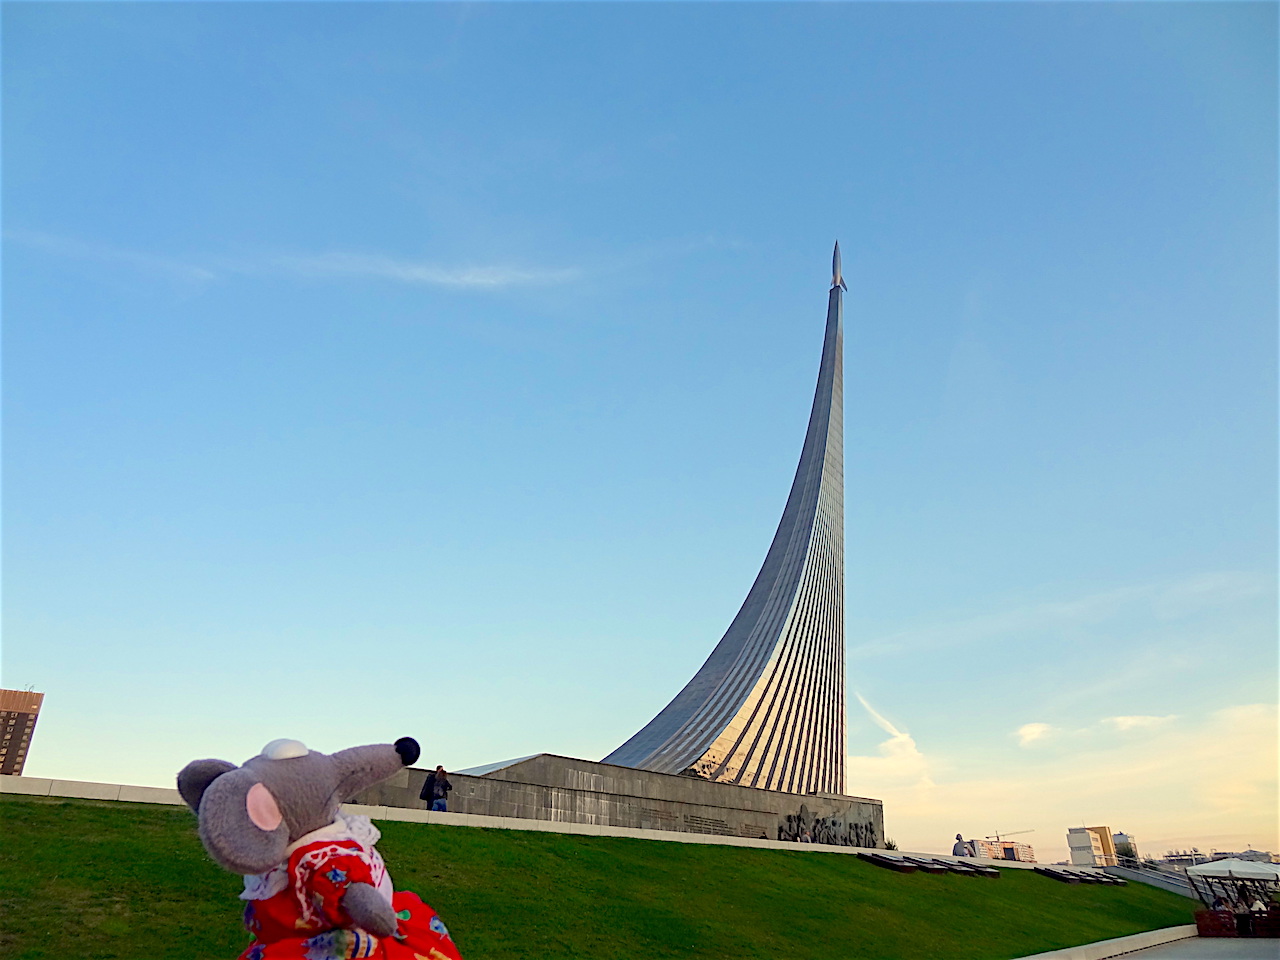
900, 761
1208, 780
1029, 733
322, 266
422, 272
1157, 601
880, 720
1138, 723
102, 253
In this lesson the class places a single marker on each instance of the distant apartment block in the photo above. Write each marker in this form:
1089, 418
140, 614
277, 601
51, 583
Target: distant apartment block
1261, 856
1004, 850
18, 712
1125, 845
1091, 847
1185, 858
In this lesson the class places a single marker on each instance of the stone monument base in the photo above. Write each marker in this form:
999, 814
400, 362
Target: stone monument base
550, 787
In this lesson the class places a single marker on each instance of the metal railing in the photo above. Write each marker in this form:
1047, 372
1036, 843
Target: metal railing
1174, 883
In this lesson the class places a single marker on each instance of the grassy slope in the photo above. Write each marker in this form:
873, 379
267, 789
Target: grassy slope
80, 879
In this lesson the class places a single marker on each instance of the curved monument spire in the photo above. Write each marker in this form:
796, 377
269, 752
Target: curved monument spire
767, 708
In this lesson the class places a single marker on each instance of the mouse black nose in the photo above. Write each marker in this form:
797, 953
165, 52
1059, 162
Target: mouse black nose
408, 749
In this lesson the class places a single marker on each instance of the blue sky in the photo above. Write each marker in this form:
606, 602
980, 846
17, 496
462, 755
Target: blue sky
440, 370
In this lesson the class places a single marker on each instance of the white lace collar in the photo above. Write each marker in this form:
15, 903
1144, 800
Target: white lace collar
347, 826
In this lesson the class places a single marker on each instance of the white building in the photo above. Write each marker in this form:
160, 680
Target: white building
1118, 838
1261, 856
1091, 847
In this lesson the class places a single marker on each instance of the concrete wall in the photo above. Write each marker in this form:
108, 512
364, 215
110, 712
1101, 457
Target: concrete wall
115, 792
1122, 946
1156, 878
87, 790
566, 790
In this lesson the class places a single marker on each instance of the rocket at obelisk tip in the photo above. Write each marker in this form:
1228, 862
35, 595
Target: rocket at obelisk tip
836, 279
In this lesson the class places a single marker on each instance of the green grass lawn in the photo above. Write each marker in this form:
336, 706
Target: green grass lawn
83, 879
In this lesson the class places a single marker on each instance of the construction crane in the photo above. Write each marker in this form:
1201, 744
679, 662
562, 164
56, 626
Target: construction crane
1013, 833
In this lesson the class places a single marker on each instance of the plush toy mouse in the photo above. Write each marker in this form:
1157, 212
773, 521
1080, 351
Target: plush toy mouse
316, 887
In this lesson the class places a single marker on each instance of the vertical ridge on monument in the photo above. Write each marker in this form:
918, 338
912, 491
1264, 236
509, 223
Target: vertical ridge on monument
767, 709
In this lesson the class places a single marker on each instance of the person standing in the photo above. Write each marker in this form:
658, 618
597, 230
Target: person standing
435, 790
427, 786
961, 848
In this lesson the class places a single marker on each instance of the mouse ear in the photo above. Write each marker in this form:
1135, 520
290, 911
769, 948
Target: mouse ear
241, 824
196, 777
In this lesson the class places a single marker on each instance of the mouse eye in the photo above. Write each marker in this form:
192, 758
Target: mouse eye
262, 808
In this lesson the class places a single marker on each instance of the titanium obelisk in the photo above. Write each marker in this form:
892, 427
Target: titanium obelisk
767, 708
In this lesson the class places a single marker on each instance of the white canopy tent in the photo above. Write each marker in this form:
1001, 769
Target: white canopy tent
1233, 880
1233, 869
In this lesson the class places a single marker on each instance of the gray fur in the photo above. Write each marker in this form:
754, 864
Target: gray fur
196, 777
308, 791
229, 835
369, 909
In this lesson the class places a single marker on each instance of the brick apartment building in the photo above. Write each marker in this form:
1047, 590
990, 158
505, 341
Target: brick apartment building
1004, 850
18, 712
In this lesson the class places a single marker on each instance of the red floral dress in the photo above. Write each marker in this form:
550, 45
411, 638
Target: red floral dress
294, 911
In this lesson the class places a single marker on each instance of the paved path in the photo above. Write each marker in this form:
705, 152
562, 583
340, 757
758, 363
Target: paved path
1211, 948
